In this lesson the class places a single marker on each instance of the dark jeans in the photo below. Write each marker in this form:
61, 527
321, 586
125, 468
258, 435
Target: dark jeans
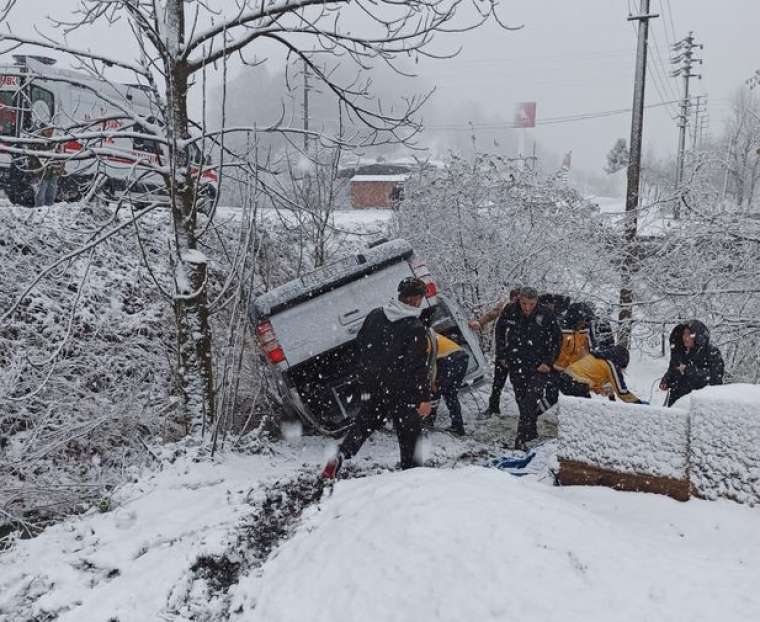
451, 372
560, 382
529, 389
678, 390
47, 189
500, 374
405, 419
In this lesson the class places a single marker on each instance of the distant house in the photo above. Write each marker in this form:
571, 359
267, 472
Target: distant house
378, 185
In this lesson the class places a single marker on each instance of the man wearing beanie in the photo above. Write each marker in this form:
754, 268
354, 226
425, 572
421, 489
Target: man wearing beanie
395, 356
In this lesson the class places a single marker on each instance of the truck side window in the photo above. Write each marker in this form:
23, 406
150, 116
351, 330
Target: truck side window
40, 109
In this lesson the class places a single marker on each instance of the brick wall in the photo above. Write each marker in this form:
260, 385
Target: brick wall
372, 193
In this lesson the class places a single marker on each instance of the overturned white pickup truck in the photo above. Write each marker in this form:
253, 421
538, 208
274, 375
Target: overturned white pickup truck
306, 329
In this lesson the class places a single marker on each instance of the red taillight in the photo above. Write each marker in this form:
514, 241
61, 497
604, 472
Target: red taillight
268, 342
276, 356
431, 289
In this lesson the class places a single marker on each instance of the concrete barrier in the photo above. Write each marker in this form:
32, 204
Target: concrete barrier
708, 445
724, 451
624, 446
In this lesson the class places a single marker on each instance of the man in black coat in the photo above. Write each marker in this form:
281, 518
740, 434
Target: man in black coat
694, 361
528, 337
395, 360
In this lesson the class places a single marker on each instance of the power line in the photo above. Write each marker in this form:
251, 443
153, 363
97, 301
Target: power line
659, 67
670, 20
583, 116
523, 60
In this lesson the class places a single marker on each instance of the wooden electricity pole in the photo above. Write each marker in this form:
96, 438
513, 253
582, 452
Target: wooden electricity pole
630, 246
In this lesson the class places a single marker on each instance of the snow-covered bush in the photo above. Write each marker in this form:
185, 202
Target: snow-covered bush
486, 226
87, 352
84, 357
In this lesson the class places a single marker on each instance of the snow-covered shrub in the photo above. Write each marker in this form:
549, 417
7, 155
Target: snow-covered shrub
84, 357
87, 354
725, 437
486, 226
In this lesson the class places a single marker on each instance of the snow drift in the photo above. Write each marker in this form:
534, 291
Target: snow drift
478, 544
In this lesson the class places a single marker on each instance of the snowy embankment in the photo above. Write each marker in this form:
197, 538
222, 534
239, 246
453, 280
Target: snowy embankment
446, 544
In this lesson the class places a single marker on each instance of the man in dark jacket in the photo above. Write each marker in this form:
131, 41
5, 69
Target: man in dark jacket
500, 370
528, 337
694, 361
395, 359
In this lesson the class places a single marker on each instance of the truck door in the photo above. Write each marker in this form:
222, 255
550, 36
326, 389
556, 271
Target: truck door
449, 320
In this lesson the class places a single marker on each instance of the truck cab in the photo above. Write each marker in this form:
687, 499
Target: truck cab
306, 330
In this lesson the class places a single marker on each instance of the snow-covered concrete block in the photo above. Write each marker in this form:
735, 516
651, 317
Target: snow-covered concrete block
629, 438
725, 442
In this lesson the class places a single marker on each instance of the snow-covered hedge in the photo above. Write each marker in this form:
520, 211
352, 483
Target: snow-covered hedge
725, 442
625, 438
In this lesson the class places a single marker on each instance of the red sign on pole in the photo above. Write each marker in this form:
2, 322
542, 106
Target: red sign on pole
525, 115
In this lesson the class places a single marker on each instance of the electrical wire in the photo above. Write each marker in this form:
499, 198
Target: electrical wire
584, 116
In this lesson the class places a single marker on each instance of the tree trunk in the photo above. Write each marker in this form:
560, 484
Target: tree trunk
195, 371
194, 357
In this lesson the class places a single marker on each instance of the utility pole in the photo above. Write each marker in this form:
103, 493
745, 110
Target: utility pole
685, 59
630, 260
700, 107
704, 128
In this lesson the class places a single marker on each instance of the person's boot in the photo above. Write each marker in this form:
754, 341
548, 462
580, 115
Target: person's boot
332, 467
493, 409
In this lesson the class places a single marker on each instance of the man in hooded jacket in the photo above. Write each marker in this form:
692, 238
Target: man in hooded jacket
396, 357
694, 361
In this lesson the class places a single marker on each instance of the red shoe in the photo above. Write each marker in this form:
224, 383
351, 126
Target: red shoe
332, 467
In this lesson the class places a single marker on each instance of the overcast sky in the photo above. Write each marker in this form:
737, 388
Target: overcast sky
572, 57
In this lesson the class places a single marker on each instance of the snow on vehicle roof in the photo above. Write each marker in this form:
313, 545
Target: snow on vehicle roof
309, 284
380, 178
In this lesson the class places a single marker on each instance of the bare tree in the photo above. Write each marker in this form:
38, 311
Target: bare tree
741, 144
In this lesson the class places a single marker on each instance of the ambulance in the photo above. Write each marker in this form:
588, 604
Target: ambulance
35, 94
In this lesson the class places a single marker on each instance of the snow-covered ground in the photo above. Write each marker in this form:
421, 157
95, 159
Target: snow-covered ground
477, 544
367, 220
445, 544
252, 537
